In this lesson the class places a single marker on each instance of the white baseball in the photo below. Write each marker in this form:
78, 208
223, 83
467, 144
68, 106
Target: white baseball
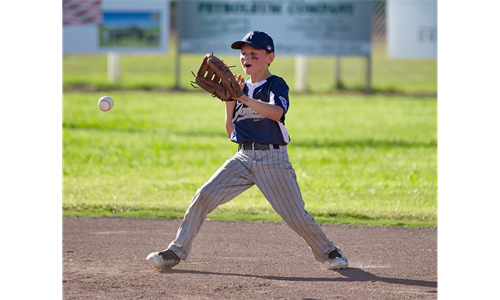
105, 103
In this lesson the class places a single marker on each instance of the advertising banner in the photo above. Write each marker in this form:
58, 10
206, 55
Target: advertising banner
412, 29
121, 26
304, 27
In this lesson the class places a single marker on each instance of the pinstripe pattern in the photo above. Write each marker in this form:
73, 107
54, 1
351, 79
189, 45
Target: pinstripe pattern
274, 175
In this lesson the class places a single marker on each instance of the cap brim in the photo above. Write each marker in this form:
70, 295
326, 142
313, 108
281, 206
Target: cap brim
239, 44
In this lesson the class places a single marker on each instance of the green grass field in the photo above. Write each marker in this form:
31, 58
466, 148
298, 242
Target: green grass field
359, 159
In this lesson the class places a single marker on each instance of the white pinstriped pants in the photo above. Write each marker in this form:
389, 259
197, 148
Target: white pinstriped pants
274, 175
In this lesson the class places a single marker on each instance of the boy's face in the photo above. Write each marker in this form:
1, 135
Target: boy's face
254, 61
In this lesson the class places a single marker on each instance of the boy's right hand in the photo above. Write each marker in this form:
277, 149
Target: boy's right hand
240, 80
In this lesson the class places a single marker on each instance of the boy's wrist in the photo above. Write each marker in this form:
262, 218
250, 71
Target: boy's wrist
243, 99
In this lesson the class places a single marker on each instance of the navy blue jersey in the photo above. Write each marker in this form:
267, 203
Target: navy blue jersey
250, 126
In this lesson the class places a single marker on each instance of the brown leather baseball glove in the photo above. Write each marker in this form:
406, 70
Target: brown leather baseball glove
216, 78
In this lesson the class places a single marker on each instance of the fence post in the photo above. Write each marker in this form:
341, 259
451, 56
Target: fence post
177, 66
113, 66
337, 72
301, 73
368, 75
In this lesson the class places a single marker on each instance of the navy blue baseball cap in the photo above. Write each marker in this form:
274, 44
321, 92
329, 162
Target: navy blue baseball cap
256, 39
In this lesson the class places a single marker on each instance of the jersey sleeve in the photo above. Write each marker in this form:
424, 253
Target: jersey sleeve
279, 96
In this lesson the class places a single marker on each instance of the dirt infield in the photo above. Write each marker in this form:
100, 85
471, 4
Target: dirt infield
104, 258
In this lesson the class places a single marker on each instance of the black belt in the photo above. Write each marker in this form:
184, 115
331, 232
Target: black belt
256, 146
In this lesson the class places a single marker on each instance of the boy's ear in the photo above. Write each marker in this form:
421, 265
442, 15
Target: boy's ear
270, 57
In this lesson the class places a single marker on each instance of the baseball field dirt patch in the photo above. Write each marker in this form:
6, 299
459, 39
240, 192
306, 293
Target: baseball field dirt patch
105, 258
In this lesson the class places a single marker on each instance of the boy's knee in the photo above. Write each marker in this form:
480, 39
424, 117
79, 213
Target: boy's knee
203, 193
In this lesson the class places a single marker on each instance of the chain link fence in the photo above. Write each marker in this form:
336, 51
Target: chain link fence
325, 73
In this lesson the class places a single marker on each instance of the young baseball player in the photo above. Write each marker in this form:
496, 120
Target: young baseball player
256, 122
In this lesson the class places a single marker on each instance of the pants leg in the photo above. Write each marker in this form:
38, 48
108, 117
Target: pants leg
232, 179
275, 177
